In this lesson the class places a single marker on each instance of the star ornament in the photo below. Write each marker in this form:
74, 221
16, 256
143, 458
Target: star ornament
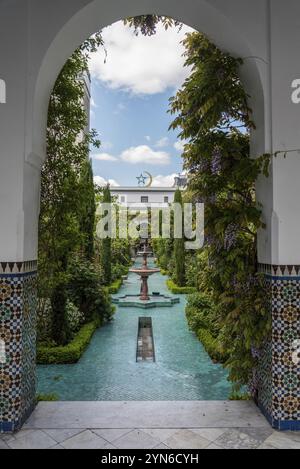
142, 180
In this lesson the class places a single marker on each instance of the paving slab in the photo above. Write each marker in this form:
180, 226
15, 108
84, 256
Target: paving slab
86, 440
149, 425
161, 434
210, 434
32, 440
3, 445
161, 446
237, 439
213, 446
112, 434
281, 440
172, 414
265, 446
136, 439
187, 439
61, 435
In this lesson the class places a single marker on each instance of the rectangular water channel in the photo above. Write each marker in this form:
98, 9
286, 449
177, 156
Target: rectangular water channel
145, 341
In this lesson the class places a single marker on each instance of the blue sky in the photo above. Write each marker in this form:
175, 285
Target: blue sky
130, 94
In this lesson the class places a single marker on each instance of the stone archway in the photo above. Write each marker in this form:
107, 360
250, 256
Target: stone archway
43, 41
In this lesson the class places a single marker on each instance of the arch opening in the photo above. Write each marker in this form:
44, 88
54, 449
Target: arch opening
96, 16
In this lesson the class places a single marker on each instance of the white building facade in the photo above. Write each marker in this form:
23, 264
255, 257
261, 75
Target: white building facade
144, 196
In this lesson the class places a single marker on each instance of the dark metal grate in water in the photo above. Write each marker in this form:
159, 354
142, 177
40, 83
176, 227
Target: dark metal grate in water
145, 341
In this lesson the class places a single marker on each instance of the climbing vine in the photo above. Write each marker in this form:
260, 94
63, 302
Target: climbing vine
212, 113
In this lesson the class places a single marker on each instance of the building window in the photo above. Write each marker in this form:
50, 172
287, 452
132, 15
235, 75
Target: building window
122, 199
166, 200
144, 199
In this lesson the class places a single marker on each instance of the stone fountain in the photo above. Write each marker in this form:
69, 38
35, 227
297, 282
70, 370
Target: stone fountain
144, 300
144, 272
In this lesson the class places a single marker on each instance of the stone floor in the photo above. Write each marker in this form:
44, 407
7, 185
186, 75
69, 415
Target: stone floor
148, 425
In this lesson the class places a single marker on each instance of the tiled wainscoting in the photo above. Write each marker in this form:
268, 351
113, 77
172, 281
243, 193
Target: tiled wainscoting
279, 372
18, 299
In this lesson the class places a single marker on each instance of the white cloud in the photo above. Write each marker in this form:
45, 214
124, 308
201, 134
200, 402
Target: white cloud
104, 157
179, 146
164, 181
144, 154
106, 145
141, 65
162, 143
148, 138
93, 103
101, 182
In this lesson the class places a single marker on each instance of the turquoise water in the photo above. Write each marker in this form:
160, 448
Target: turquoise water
108, 369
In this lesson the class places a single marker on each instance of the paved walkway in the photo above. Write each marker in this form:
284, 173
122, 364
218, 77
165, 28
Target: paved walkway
148, 425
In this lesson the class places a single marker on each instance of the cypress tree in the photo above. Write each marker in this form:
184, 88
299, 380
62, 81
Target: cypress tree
87, 221
60, 328
179, 251
106, 244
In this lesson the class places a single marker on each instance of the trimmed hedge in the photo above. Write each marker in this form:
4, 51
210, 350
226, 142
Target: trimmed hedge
211, 346
201, 316
236, 396
164, 272
179, 290
70, 353
115, 286
46, 398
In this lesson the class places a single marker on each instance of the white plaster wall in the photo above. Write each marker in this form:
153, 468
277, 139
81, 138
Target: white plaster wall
18, 190
285, 67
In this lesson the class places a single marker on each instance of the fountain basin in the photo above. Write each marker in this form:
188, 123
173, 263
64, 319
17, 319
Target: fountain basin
155, 301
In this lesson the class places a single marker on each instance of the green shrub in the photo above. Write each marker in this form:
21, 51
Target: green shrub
44, 315
60, 329
164, 272
118, 270
106, 251
202, 316
236, 396
179, 290
179, 274
212, 346
199, 312
46, 398
74, 317
87, 292
70, 353
115, 286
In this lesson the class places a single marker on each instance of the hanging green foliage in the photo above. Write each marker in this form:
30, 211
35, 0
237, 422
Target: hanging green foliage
212, 113
147, 24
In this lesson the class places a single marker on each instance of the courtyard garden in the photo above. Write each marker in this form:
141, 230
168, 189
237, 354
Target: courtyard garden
217, 330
